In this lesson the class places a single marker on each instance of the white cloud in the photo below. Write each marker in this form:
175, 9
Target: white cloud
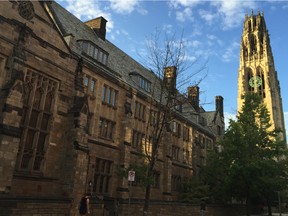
212, 40
192, 43
233, 12
168, 28
230, 12
184, 15
229, 53
284, 7
125, 6
184, 3
191, 58
208, 16
87, 10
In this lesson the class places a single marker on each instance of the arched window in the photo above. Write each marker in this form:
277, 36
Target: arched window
249, 75
253, 44
38, 100
261, 85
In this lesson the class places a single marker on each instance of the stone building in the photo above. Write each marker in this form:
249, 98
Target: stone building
74, 107
257, 72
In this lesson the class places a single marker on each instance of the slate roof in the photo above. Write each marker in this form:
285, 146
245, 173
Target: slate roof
119, 62
120, 65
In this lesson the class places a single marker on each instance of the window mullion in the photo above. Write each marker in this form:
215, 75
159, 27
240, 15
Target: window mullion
34, 147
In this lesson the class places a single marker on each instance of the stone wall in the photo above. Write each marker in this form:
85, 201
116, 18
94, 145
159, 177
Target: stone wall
61, 207
180, 209
29, 207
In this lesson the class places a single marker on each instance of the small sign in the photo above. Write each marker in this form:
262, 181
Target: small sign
131, 175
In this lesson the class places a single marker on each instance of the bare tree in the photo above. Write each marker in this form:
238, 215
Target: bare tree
168, 60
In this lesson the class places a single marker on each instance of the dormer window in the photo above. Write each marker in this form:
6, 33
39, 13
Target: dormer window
142, 82
94, 51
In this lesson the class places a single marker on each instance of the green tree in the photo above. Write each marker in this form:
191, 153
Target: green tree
253, 161
194, 191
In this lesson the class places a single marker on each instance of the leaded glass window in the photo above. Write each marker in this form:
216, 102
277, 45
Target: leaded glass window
38, 101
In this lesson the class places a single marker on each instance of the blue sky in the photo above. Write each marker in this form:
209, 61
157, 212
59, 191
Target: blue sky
212, 30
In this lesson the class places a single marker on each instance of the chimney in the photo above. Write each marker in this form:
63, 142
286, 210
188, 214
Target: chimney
99, 26
193, 96
219, 105
170, 78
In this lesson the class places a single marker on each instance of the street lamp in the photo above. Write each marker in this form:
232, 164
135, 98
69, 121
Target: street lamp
90, 186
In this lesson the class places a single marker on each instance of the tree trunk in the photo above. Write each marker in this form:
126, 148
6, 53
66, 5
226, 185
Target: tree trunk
248, 203
248, 207
147, 200
269, 207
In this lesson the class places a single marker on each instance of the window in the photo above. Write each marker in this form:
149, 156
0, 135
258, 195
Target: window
202, 120
176, 129
138, 140
179, 130
94, 51
209, 144
102, 177
89, 85
186, 155
178, 107
156, 179
144, 83
175, 152
38, 100
86, 81
153, 117
249, 75
139, 111
2, 71
219, 131
176, 183
261, 85
149, 146
106, 128
109, 96
186, 135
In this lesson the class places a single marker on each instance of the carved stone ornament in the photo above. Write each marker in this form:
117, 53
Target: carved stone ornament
26, 9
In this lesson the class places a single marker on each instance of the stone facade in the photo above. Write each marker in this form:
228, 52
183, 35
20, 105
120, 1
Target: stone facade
257, 70
74, 108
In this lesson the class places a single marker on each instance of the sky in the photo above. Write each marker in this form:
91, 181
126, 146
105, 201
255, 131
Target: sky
211, 28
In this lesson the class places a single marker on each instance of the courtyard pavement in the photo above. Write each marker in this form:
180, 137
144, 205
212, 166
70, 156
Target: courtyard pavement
274, 214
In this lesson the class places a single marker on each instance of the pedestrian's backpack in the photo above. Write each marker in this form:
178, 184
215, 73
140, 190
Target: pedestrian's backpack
83, 206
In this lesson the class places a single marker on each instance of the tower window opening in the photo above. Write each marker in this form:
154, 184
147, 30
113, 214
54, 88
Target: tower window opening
261, 86
250, 86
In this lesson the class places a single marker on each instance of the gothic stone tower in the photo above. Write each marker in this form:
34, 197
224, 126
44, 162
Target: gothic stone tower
257, 71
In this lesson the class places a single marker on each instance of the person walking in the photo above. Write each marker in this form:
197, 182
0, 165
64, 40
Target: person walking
84, 207
202, 208
116, 206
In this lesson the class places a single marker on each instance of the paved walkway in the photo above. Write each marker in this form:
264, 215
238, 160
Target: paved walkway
274, 214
